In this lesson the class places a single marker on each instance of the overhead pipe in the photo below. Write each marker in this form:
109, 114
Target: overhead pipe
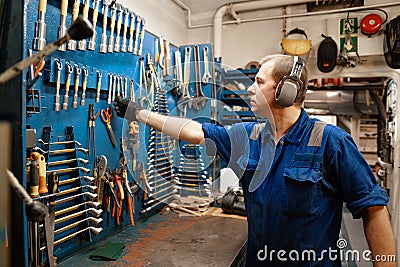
242, 6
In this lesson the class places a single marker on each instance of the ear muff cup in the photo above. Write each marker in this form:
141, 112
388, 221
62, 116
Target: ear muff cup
287, 90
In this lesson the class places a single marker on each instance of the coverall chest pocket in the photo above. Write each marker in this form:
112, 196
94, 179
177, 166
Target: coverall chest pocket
301, 190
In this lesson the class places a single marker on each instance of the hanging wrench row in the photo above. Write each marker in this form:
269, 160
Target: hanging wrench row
119, 16
118, 86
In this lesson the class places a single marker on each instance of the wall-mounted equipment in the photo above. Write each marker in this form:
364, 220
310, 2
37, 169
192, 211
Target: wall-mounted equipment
327, 54
295, 46
391, 43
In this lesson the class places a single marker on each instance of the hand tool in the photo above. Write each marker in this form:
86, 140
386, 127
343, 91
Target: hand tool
76, 86
98, 86
200, 98
161, 58
103, 40
36, 211
115, 78
109, 181
126, 87
118, 86
80, 29
62, 28
39, 41
83, 169
167, 197
119, 24
126, 20
84, 84
60, 142
141, 37
53, 187
75, 15
94, 230
92, 204
185, 100
110, 86
105, 116
110, 48
100, 166
137, 34
95, 221
91, 188
91, 196
67, 161
132, 91
207, 74
42, 174
131, 30
91, 131
92, 40
178, 73
34, 174
120, 193
95, 212
57, 101
167, 59
88, 179
68, 150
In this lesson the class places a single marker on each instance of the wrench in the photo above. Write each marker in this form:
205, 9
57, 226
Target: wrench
92, 40
67, 85
76, 86
84, 84
123, 46
62, 28
103, 40
131, 30
57, 102
75, 13
110, 86
98, 87
85, 15
119, 24
207, 74
110, 48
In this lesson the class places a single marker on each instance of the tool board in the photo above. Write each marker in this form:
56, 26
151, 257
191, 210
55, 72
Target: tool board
61, 132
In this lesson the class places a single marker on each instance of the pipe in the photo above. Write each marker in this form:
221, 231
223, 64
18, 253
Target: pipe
189, 14
241, 6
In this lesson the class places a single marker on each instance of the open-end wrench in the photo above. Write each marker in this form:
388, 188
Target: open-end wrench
110, 86
67, 161
68, 150
137, 34
60, 142
103, 40
67, 85
132, 91
92, 40
125, 87
142, 32
91, 196
57, 101
84, 84
39, 41
200, 98
131, 32
93, 230
93, 211
85, 15
98, 86
110, 47
119, 24
95, 221
114, 85
76, 86
92, 204
83, 169
118, 86
126, 20
75, 14
62, 28
207, 74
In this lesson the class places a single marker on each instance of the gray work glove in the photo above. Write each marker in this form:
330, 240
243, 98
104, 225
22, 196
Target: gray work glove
125, 108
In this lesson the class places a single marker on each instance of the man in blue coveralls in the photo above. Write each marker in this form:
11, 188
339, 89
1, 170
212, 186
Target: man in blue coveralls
295, 171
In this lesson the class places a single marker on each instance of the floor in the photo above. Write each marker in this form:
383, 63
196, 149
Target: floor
168, 239
171, 240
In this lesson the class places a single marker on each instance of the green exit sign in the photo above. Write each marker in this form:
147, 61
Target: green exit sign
348, 34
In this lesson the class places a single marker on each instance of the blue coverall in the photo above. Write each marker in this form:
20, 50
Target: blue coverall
298, 205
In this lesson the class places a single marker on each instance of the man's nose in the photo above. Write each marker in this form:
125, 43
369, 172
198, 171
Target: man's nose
252, 89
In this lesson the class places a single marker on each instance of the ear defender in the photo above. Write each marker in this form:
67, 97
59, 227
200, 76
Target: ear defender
289, 86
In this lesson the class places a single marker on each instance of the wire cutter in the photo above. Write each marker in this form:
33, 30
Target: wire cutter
106, 115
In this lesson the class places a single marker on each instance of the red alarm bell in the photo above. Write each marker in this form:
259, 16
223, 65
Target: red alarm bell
371, 24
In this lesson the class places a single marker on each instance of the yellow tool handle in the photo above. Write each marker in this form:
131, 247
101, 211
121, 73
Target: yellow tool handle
64, 8
132, 27
42, 6
84, 83
58, 82
68, 83
75, 10
85, 12
112, 24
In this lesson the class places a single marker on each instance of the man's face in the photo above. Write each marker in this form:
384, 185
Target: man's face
262, 92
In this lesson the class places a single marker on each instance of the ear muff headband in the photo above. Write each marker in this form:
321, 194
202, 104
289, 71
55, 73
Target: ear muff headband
289, 86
